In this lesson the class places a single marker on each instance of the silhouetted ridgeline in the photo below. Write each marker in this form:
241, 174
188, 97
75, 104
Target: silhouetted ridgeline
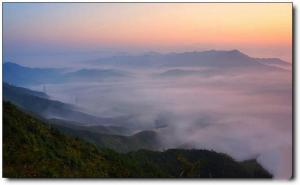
219, 60
38, 102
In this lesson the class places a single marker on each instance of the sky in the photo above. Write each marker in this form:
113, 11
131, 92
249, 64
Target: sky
221, 112
69, 31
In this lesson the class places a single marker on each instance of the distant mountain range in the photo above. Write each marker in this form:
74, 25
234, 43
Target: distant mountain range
23, 76
93, 75
211, 58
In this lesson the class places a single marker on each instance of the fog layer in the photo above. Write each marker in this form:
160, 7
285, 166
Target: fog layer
246, 114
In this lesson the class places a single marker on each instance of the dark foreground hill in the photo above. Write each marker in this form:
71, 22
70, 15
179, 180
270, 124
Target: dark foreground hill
33, 149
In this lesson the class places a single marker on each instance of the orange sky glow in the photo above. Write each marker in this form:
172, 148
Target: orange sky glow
258, 29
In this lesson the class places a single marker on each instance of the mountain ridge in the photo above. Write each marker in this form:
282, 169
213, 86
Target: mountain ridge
32, 149
208, 58
19, 75
46, 107
215, 59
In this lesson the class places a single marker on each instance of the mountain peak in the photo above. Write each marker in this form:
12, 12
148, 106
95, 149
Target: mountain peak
237, 53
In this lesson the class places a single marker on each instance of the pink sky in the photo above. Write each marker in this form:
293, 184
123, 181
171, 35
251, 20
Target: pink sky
258, 29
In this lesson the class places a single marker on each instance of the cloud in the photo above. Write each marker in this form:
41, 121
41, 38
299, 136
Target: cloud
246, 115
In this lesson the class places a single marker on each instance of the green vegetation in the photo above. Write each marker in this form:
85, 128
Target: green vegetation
102, 136
101, 129
33, 149
142, 140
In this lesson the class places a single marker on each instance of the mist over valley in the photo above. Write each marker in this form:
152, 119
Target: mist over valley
224, 101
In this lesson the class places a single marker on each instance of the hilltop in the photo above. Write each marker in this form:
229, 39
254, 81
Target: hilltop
31, 148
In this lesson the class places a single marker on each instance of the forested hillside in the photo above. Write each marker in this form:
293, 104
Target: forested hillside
33, 149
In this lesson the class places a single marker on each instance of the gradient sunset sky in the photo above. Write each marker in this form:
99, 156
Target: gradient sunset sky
257, 29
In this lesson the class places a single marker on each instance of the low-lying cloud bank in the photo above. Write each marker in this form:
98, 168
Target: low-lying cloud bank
245, 114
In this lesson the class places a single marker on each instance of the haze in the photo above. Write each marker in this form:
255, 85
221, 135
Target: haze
68, 32
242, 107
